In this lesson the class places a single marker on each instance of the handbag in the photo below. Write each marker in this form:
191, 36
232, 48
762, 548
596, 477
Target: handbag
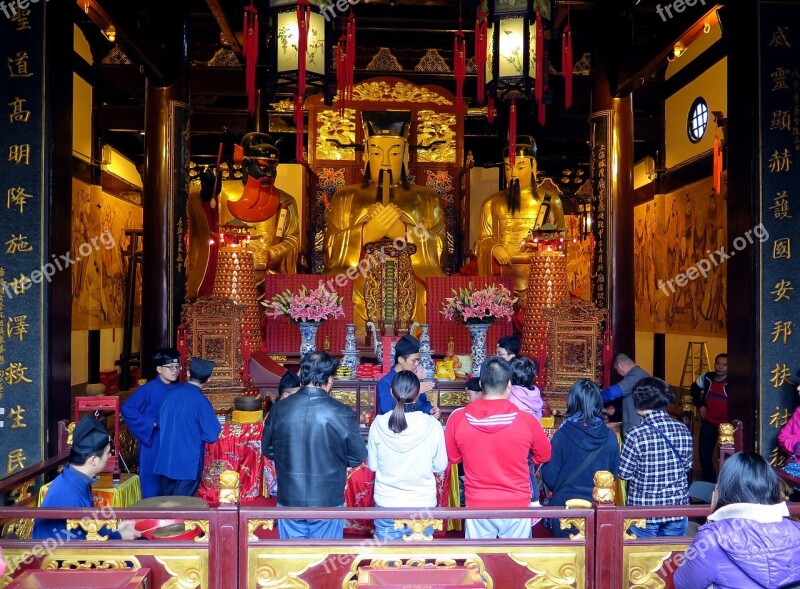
547, 495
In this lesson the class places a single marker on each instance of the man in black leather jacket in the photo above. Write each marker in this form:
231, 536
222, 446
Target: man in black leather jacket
313, 438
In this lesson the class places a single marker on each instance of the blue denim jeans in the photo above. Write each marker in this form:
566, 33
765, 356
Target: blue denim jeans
320, 529
675, 527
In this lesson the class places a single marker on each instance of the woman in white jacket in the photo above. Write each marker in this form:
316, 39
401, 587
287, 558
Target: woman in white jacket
405, 449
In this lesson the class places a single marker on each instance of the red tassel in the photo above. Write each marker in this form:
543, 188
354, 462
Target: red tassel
481, 33
566, 64
298, 123
608, 347
303, 19
250, 53
350, 56
490, 110
512, 135
539, 57
459, 66
717, 175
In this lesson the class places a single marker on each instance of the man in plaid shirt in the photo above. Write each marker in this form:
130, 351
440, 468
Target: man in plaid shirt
655, 458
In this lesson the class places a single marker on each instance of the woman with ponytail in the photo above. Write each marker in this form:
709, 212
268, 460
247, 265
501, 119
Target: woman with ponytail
405, 449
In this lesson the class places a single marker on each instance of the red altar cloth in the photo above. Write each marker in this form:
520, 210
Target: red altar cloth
239, 449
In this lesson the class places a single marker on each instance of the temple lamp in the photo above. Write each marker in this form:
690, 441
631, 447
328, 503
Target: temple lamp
510, 42
301, 53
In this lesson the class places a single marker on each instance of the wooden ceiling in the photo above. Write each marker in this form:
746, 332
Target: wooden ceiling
632, 39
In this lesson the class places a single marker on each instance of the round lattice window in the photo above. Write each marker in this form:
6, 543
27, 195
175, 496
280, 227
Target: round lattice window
698, 120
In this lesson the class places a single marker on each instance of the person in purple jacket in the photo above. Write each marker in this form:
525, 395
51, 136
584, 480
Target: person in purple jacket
749, 541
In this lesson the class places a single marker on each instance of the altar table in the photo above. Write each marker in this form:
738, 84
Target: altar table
105, 493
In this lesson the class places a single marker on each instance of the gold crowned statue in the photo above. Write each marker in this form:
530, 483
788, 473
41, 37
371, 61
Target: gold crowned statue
508, 217
385, 206
270, 212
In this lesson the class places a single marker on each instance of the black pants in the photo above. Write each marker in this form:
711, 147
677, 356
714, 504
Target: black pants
707, 445
183, 488
168, 486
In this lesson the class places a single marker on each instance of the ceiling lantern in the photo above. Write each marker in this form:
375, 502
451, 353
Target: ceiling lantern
301, 52
515, 49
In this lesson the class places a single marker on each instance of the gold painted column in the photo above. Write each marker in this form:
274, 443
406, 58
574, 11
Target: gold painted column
165, 196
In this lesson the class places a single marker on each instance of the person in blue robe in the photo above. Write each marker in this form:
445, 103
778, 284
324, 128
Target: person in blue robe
407, 357
140, 413
186, 420
91, 449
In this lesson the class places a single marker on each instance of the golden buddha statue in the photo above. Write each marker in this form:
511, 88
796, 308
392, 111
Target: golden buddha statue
385, 206
508, 217
270, 213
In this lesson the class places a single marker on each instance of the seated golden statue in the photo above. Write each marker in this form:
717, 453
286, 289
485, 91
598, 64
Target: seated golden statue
508, 217
270, 213
385, 206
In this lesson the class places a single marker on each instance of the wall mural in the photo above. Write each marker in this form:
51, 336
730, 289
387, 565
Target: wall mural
677, 236
98, 279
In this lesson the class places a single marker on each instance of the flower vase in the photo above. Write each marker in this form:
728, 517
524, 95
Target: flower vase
425, 352
308, 336
350, 352
477, 334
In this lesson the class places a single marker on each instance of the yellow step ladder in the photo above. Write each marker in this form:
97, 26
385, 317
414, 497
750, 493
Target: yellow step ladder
695, 364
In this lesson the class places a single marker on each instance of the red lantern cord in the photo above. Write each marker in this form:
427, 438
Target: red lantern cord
566, 63
540, 65
459, 66
512, 135
481, 34
250, 53
298, 123
303, 19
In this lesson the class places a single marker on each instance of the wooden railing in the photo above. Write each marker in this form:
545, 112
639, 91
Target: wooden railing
240, 548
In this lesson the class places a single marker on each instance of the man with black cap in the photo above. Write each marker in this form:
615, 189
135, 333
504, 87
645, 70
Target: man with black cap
91, 449
406, 357
186, 420
140, 413
288, 385
508, 347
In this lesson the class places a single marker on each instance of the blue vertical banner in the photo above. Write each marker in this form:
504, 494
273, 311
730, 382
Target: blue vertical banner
22, 238
779, 172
